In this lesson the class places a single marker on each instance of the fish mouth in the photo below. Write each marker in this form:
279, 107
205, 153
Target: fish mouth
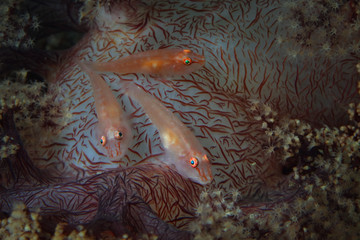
114, 152
199, 60
202, 180
205, 176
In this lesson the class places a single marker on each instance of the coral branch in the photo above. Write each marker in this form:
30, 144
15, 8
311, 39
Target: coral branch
20, 167
108, 197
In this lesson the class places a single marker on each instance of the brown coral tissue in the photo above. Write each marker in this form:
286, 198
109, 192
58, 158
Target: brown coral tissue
275, 106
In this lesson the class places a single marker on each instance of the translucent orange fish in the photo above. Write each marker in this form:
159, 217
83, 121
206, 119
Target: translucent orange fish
182, 149
113, 130
160, 62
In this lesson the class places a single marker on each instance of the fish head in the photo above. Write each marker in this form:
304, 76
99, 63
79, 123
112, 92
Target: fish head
187, 61
115, 141
194, 166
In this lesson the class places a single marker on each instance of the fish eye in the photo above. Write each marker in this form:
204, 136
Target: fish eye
194, 162
118, 135
187, 61
103, 140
